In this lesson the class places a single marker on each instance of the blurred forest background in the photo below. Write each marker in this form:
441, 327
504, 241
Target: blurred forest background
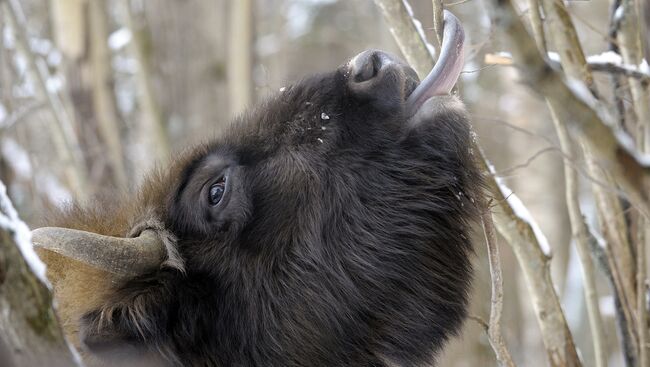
93, 93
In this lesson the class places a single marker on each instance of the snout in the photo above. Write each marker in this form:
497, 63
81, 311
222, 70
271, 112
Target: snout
380, 76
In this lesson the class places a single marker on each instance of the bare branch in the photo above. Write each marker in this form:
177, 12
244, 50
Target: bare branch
494, 327
614, 25
409, 38
607, 266
22, 113
581, 237
601, 66
565, 39
152, 125
103, 100
534, 262
537, 24
629, 43
588, 119
438, 21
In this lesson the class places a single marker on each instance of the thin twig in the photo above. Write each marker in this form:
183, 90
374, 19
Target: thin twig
22, 113
612, 44
494, 327
438, 22
581, 237
607, 266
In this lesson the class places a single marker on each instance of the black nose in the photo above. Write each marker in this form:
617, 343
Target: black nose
381, 76
367, 64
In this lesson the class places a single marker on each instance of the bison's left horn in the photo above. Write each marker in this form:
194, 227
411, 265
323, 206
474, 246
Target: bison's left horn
125, 257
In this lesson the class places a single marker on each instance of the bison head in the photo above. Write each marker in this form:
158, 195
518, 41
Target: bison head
327, 226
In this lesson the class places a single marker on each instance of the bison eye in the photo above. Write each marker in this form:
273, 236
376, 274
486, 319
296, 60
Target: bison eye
216, 192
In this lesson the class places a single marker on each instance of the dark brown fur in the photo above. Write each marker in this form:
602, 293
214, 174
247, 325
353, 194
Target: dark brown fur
343, 241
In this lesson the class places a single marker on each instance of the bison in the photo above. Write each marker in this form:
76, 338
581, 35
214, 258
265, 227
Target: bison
328, 226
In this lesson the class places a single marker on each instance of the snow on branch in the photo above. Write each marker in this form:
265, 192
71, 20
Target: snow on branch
588, 118
10, 222
607, 62
522, 213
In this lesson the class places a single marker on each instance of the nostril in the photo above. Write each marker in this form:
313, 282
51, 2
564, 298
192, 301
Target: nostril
369, 67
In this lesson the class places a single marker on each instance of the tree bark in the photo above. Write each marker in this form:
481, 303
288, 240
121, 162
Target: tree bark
31, 334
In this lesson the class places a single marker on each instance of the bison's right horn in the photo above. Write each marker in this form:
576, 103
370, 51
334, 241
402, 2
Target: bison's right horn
126, 257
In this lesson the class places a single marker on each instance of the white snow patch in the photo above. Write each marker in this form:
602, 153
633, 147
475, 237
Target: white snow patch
607, 307
618, 13
17, 158
522, 212
40, 46
120, 38
20, 62
610, 57
54, 58
54, 84
324, 116
3, 113
644, 67
125, 65
22, 236
8, 38
553, 56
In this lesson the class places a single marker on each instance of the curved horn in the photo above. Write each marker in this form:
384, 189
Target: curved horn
121, 256
446, 71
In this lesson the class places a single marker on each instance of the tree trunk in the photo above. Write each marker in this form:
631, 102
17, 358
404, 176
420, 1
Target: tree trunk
31, 334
